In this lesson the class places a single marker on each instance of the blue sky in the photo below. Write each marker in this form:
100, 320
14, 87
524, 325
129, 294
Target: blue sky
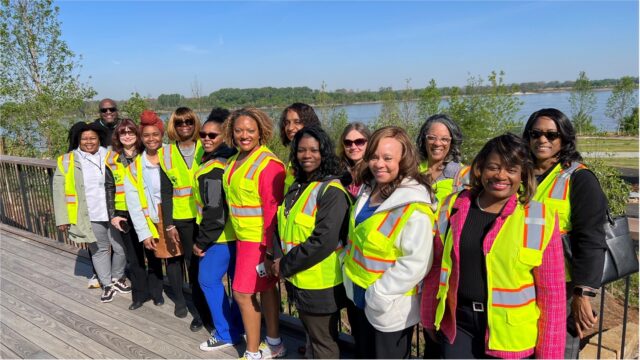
155, 47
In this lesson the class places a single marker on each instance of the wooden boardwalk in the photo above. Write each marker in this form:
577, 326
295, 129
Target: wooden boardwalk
46, 311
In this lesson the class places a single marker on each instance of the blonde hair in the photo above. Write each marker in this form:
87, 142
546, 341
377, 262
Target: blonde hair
265, 124
183, 113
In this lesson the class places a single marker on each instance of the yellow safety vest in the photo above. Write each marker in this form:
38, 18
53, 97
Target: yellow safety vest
117, 169
295, 227
289, 177
370, 248
134, 171
241, 190
512, 311
181, 176
554, 192
227, 234
66, 165
442, 188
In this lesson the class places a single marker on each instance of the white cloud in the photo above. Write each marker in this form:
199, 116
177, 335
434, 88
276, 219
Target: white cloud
192, 49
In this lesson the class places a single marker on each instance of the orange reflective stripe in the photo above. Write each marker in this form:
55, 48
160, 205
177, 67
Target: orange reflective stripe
534, 223
511, 298
182, 191
444, 274
166, 155
391, 221
251, 172
370, 263
246, 211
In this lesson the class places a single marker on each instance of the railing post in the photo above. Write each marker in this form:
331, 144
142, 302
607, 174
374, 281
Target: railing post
601, 321
624, 318
25, 200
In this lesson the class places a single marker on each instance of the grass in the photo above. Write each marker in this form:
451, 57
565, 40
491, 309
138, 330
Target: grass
607, 144
631, 163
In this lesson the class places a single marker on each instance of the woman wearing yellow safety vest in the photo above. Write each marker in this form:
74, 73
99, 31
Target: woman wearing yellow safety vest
142, 195
78, 182
439, 143
216, 242
496, 285
253, 182
179, 160
351, 148
312, 228
389, 247
295, 117
125, 146
568, 187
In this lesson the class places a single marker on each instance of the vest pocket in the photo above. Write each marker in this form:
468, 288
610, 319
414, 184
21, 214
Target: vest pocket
530, 257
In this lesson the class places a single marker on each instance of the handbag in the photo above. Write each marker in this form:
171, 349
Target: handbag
620, 257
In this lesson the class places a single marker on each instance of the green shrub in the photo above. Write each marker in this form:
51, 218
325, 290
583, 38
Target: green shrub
614, 187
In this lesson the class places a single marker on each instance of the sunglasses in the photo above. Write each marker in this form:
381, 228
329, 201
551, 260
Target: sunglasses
109, 109
357, 142
550, 135
127, 132
210, 136
180, 123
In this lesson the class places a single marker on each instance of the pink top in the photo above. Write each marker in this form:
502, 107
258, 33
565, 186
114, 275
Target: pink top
548, 277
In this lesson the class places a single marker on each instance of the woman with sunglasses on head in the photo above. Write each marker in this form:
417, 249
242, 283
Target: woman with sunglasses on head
351, 148
496, 285
389, 247
294, 118
253, 182
568, 187
142, 194
215, 244
312, 225
125, 146
81, 208
179, 160
439, 143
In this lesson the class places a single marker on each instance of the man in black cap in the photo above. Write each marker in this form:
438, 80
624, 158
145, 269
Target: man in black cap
108, 119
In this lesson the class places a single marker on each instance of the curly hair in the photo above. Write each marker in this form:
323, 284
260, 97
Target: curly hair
183, 113
513, 151
329, 165
218, 115
265, 125
123, 125
408, 167
307, 115
76, 130
568, 142
454, 130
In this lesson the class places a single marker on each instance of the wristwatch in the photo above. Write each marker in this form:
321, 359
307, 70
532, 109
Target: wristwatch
580, 291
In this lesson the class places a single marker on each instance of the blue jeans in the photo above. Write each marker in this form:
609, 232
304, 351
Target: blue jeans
220, 259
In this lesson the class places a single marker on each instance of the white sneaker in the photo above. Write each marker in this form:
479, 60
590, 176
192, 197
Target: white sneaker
272, 351
93, 283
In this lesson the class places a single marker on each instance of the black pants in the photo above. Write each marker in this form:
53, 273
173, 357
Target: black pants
146, 281
323, 332
188, 231
470, 330
374, 344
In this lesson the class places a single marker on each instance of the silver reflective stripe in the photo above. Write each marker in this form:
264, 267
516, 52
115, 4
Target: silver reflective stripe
145, 211
166, 155
443, 219
246, 211
369, 264
443, 276
288, 246
134, 170
70, 199
513, 298
66, 160
535, 225
561, 184
391, 221
180, 192
310, 206
119, 189
460, 181
255, 165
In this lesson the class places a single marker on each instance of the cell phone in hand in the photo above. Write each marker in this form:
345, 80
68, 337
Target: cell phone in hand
124, 225
260, 269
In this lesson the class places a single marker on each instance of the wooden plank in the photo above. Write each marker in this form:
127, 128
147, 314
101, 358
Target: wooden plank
52, 345
106, 316
51, 246
24, 348
38, 239
78, 340
6, 353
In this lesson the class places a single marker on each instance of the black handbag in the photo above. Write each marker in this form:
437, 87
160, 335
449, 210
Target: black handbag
620, 258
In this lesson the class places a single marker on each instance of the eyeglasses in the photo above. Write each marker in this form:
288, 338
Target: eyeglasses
109, 109
210, 136
550, 135
127, 133
181, 123
357, 142
433, 138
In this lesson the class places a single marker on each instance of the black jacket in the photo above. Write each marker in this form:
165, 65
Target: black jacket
105, 137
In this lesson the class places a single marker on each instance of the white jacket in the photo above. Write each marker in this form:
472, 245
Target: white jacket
387, 308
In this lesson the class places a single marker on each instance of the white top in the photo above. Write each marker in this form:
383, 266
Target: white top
93, 176
151, 183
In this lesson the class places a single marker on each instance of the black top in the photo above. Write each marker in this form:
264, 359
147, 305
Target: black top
588, 214
332, 222
110, 188
105, 137
472, 285
215, 211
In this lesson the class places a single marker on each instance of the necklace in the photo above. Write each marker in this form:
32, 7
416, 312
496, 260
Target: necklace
187, 152
478, 203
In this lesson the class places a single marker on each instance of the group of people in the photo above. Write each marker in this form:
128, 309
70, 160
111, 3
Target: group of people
396, 230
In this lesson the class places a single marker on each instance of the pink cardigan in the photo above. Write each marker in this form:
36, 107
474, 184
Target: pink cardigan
548, 277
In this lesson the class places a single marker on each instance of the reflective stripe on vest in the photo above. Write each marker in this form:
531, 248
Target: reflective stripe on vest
118, 172
462, 178
534, 225
560, 186
247, 211
511, 298
444, 276
181, 176
389, 224
132, 171
65, 165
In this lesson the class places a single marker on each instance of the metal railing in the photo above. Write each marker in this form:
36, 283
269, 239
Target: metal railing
26, 202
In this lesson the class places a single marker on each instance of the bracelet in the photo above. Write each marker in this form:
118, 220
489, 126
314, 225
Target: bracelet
170, 228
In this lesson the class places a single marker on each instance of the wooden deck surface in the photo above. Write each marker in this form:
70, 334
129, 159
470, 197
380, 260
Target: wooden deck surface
46, 311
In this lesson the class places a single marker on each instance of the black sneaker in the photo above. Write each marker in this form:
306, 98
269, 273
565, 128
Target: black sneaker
214, 344
108, 292
121, 286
